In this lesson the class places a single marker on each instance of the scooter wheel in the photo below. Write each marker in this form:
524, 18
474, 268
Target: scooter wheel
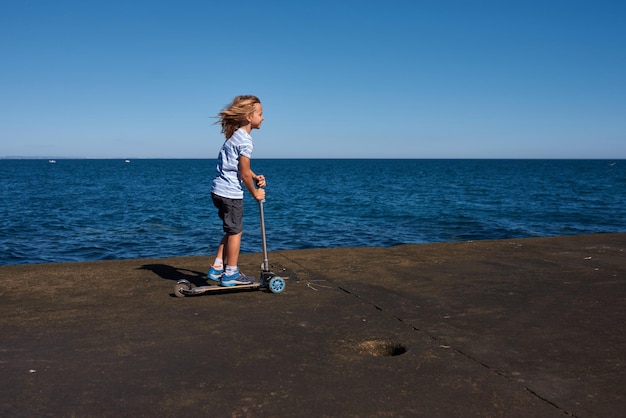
276, 285
180, 286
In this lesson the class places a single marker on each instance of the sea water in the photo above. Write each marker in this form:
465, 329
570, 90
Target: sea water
79, 210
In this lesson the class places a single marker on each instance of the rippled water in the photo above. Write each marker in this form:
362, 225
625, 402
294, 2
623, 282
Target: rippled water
77, 210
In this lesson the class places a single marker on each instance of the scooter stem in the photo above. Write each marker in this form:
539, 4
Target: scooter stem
265, 267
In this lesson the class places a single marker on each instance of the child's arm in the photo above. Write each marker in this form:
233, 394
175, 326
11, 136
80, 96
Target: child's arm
249, 178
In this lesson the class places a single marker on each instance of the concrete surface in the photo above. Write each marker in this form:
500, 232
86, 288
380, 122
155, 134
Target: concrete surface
510, 328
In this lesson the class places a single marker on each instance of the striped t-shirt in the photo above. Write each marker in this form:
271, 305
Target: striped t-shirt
227, 182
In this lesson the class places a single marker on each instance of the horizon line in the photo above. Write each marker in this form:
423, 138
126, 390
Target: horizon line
18, 157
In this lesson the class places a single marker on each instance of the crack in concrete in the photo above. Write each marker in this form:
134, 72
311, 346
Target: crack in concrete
461, 352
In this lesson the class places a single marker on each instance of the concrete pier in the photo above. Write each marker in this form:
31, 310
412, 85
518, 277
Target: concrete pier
507, 328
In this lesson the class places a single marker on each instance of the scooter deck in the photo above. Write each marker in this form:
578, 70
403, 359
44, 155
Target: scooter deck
216, 288
184, 287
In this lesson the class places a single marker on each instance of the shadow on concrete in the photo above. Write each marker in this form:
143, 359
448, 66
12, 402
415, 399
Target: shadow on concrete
175, 273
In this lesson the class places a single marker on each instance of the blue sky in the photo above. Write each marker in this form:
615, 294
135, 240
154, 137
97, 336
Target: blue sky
338, 79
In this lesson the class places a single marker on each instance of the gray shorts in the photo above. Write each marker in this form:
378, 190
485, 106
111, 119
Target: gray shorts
230, 212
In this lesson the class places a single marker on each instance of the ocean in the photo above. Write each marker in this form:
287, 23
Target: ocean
85, 209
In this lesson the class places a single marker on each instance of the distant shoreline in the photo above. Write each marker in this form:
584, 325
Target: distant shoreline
14, 158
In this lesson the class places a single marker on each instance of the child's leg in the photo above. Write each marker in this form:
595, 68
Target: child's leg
227, 254
228, 250
231, 250
232, 276
220, 256
230, 212
217, 268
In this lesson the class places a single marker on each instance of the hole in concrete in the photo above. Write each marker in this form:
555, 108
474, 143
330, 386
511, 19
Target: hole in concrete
381, 348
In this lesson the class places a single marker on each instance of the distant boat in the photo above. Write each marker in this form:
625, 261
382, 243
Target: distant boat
126, 161
612, 164
52, 161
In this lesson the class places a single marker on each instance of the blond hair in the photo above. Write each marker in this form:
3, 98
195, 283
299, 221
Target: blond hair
233, 116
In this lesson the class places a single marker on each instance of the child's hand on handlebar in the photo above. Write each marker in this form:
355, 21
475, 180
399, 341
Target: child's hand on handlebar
260, 180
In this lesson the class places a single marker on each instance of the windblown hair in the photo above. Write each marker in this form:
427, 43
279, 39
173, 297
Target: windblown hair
233, 116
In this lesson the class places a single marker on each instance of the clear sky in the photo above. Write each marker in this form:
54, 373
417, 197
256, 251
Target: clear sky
338, 79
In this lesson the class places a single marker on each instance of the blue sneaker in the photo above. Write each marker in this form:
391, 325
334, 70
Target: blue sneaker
236, 279
215, 274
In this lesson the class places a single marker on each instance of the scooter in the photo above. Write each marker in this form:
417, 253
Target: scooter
268, 280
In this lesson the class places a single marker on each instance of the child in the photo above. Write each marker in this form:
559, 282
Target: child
238, 119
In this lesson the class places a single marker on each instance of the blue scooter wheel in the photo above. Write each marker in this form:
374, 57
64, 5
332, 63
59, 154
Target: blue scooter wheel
276, 285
